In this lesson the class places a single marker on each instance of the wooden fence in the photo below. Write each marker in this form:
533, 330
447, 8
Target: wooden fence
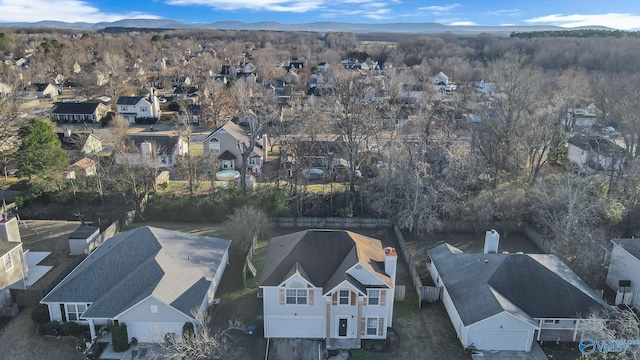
332, 222
425, 293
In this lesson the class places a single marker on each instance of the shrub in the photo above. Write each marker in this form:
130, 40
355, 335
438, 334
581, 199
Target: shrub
40, 314
70, 328
50, 328
120, 338
188, 331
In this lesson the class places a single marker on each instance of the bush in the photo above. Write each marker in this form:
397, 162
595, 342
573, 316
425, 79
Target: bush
40, 314
70, 328
188, 331
50, 328
120, 338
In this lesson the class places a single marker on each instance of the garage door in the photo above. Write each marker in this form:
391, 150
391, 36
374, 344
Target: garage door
153, 331
503, 339
295, 327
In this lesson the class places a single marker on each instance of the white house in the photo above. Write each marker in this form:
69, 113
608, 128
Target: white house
133, 107
595, 152
441, 82
143, 149
227, 141
502, 301
581, 116
150, 279
624, 271
13, 266
328, 284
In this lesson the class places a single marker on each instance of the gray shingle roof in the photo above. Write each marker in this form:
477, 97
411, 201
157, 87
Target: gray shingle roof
129, 100
526, 285
322, 256
239, 134
83, 232
82, 108
166, 144
631, 245
174, 267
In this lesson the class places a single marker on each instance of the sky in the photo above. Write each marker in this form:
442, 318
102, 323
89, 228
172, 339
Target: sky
618, 14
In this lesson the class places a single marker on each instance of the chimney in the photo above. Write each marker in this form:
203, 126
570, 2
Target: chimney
145, 149
390, 263
9, 230
67, 132
265, 158
491, 240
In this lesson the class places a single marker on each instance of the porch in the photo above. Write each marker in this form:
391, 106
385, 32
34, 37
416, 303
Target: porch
338, 344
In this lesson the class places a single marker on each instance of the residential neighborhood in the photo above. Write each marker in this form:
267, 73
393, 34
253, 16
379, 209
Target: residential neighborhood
222, 194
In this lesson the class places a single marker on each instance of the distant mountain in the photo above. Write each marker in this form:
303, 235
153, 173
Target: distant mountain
401, 27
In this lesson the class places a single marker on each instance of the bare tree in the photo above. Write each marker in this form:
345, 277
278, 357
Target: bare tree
205, 343
615, 333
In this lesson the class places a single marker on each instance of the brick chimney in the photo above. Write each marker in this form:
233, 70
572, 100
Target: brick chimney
390, 263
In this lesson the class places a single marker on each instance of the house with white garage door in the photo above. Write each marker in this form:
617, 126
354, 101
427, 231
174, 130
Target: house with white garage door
335, 285
502, 301
153, 280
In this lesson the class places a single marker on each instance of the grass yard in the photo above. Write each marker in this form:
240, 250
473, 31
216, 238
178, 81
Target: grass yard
424, 334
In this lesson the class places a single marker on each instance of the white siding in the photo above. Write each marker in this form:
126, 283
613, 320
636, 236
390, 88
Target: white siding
500, 332
274, 312
453, 314
364, 276
624, 266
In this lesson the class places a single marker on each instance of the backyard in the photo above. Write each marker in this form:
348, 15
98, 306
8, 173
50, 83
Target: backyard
423, 334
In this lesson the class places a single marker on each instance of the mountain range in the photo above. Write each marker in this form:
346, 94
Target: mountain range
398, 27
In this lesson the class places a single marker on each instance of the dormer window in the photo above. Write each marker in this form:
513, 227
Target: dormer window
343, 297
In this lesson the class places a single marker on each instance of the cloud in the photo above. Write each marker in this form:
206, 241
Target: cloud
60, 10
612, 20
505, 12
462, 23
256, 5
440, 8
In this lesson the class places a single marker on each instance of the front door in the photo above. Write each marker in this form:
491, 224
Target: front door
342, 327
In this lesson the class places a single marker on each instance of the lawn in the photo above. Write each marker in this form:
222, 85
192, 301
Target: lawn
423, 334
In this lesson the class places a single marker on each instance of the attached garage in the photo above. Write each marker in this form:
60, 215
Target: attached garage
153, 332
295, 327
502, 331
502, 339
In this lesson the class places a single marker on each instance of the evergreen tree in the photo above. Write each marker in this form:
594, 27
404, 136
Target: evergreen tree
40, 152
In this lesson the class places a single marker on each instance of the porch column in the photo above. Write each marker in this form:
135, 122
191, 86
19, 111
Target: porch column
92, 329
575, 331
539, 331
359, 322
328, 324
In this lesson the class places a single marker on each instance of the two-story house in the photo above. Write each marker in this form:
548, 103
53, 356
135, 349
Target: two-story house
228, 140
153, 150
595, 153
13, 266
134, 107
624, 271
441, 82
335, 285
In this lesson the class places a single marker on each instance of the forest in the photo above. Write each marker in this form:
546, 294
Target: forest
410, 152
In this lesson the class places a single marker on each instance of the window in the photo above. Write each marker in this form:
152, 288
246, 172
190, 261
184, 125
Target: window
374, 297
344, 297
214, 145
75, 311
372, 326
296, 296
8, 262
253, 161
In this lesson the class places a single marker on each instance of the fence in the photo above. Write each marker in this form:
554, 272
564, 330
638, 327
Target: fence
332, 222
425, 293
30, 297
